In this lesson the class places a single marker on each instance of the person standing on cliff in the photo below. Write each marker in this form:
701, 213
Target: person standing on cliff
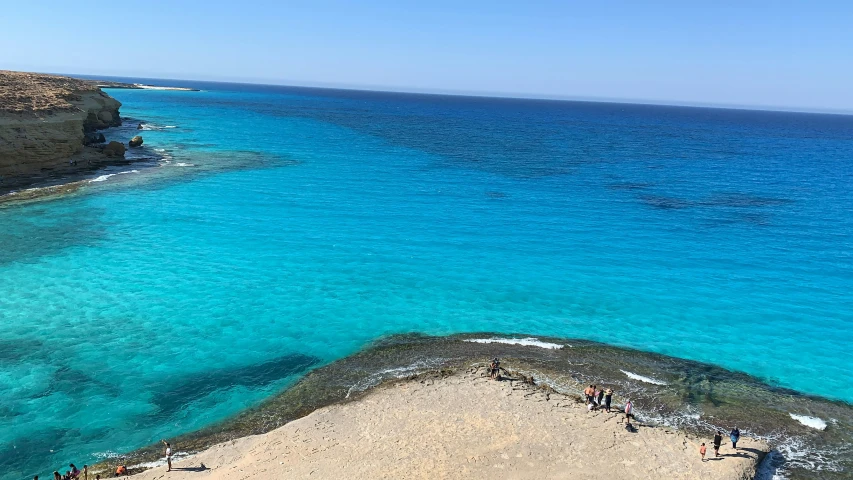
629, 413
718, 440
608, 397
167, 451
702, 450
735, 436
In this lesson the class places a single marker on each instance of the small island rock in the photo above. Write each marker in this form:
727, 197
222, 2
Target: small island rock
135, 141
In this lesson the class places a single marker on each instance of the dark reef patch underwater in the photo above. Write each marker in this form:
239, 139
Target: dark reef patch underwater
696, 397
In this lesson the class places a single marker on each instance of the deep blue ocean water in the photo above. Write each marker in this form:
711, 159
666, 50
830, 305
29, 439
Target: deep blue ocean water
144, 309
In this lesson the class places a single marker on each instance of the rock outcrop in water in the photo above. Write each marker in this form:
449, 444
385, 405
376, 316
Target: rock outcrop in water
135, 141
44, 122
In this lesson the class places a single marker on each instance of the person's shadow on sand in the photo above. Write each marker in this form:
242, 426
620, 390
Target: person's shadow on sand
751, 450
199, 468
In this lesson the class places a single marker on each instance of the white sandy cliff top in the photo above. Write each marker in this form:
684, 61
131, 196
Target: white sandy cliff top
464, 426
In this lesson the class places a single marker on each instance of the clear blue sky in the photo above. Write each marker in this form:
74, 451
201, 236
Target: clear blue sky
776, 54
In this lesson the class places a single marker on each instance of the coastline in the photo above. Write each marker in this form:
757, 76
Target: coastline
662, 392
800, 416
56, 132
462, 424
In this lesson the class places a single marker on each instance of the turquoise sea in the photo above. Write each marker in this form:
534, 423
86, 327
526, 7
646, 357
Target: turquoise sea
289, 227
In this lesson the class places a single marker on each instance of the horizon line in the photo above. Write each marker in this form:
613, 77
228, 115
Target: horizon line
487, 94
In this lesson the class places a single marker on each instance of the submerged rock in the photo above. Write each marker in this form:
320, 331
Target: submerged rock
135, 141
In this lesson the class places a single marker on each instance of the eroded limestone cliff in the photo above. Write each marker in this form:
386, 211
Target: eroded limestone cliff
44, 120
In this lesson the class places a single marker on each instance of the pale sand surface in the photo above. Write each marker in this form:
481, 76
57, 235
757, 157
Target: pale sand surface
464, 426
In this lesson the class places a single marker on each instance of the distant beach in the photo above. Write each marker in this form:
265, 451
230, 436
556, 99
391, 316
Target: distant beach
142, 86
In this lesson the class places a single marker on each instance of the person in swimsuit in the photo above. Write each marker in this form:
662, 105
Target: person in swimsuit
600, 398
608, 397
588, 391
167, 451
718, 440
121, 470
74, 471
57, 476
702, 451
735, 436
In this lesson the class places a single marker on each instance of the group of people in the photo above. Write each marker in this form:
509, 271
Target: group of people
121, 470
601, 398
734, 436
73, 474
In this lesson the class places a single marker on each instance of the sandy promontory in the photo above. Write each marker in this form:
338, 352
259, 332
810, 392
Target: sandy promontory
465, 426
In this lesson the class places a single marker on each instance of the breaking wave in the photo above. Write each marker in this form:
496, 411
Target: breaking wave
530, 342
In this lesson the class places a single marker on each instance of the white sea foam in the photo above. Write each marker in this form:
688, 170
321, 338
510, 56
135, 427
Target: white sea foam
641, 378
182, 164
102, 178
808, 421
106, 454
154, 127
794, 452
107, 176
155, 87
528, 342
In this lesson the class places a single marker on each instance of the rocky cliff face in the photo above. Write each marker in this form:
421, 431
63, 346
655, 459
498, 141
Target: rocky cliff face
44, 120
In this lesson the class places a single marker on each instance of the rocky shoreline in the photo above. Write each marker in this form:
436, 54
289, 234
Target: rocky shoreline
459, 423
692, 398
51, 133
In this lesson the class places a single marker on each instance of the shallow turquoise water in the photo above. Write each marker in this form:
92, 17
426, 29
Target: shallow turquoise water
141, 312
